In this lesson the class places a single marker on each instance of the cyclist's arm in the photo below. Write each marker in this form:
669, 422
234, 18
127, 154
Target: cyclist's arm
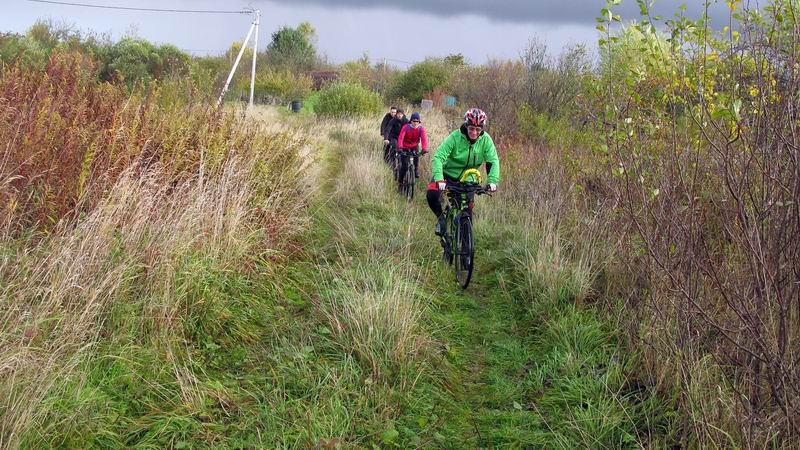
401, 137
384, 122
388, 130
441, 156
492, 162
424, 139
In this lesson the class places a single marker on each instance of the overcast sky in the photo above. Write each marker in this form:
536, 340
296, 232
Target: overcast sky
401, 31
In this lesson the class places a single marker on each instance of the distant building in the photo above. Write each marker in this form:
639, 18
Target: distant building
322, 77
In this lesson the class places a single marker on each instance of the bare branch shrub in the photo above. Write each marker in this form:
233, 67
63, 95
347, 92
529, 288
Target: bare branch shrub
702, 131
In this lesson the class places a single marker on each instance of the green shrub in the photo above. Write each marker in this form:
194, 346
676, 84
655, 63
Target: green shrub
281, 84
343, 98
139, 61
378, 76
556, 132
421, 79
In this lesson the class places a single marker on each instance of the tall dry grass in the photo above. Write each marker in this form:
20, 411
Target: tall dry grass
57, 300
140, 198
67, 138
372, 299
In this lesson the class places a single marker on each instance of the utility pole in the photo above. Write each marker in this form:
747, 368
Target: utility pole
255, 58
253, 27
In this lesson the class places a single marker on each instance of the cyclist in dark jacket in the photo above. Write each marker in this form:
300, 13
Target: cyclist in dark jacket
388, 117
392, 132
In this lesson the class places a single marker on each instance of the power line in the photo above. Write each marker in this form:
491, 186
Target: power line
399, 61
128, 8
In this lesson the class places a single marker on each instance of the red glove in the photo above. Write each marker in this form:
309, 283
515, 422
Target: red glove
441, 185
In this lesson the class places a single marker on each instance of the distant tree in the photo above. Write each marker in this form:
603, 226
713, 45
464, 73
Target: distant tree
455, 59
293, 48
233, 51
309, 32
43, 33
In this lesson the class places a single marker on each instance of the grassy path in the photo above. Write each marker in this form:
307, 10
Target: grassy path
498, 365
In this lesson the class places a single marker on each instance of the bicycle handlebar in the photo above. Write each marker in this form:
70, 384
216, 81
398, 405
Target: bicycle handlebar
414, 151
467, 188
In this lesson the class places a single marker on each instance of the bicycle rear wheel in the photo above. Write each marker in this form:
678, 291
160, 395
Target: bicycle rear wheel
464, 253
408, 182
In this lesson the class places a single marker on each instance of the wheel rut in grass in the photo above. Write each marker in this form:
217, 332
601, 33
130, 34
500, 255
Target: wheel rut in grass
491, 353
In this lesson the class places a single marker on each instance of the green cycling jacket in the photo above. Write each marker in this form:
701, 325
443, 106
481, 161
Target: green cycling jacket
456, 155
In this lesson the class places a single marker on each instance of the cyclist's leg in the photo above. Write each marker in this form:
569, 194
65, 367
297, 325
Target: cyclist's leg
393, 154
434, 197
416, 166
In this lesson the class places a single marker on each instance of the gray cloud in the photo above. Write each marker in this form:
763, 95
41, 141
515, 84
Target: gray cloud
524, 11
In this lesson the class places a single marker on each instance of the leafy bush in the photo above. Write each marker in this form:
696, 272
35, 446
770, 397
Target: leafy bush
280, 84
421, 79
555, 132
132, 61
343, 98
138, 61
377, 77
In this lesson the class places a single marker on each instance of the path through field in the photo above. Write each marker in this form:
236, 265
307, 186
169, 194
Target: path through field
491, 368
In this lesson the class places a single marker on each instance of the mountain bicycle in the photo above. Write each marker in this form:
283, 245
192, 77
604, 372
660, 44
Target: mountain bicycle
457, 242
407, 179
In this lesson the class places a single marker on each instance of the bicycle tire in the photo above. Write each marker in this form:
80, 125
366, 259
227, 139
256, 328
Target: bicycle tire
408, 184
464, 255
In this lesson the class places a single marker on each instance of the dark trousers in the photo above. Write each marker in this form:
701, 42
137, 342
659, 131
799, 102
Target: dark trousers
434, 196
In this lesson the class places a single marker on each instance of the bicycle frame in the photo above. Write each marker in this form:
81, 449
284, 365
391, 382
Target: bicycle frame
407, 179
460, 197
457, 239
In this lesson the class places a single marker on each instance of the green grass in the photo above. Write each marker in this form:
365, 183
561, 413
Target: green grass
513, 363
361, 339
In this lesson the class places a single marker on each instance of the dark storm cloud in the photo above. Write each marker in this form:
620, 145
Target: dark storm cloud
524, 11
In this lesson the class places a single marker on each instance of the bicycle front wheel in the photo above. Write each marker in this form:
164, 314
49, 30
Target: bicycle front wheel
464, 253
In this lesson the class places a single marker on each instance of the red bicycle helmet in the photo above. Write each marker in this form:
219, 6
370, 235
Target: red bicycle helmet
475, 117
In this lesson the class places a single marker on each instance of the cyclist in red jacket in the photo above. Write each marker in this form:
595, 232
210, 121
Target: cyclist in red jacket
412, 135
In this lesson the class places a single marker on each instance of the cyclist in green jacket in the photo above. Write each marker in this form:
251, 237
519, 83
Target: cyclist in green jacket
465, 148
